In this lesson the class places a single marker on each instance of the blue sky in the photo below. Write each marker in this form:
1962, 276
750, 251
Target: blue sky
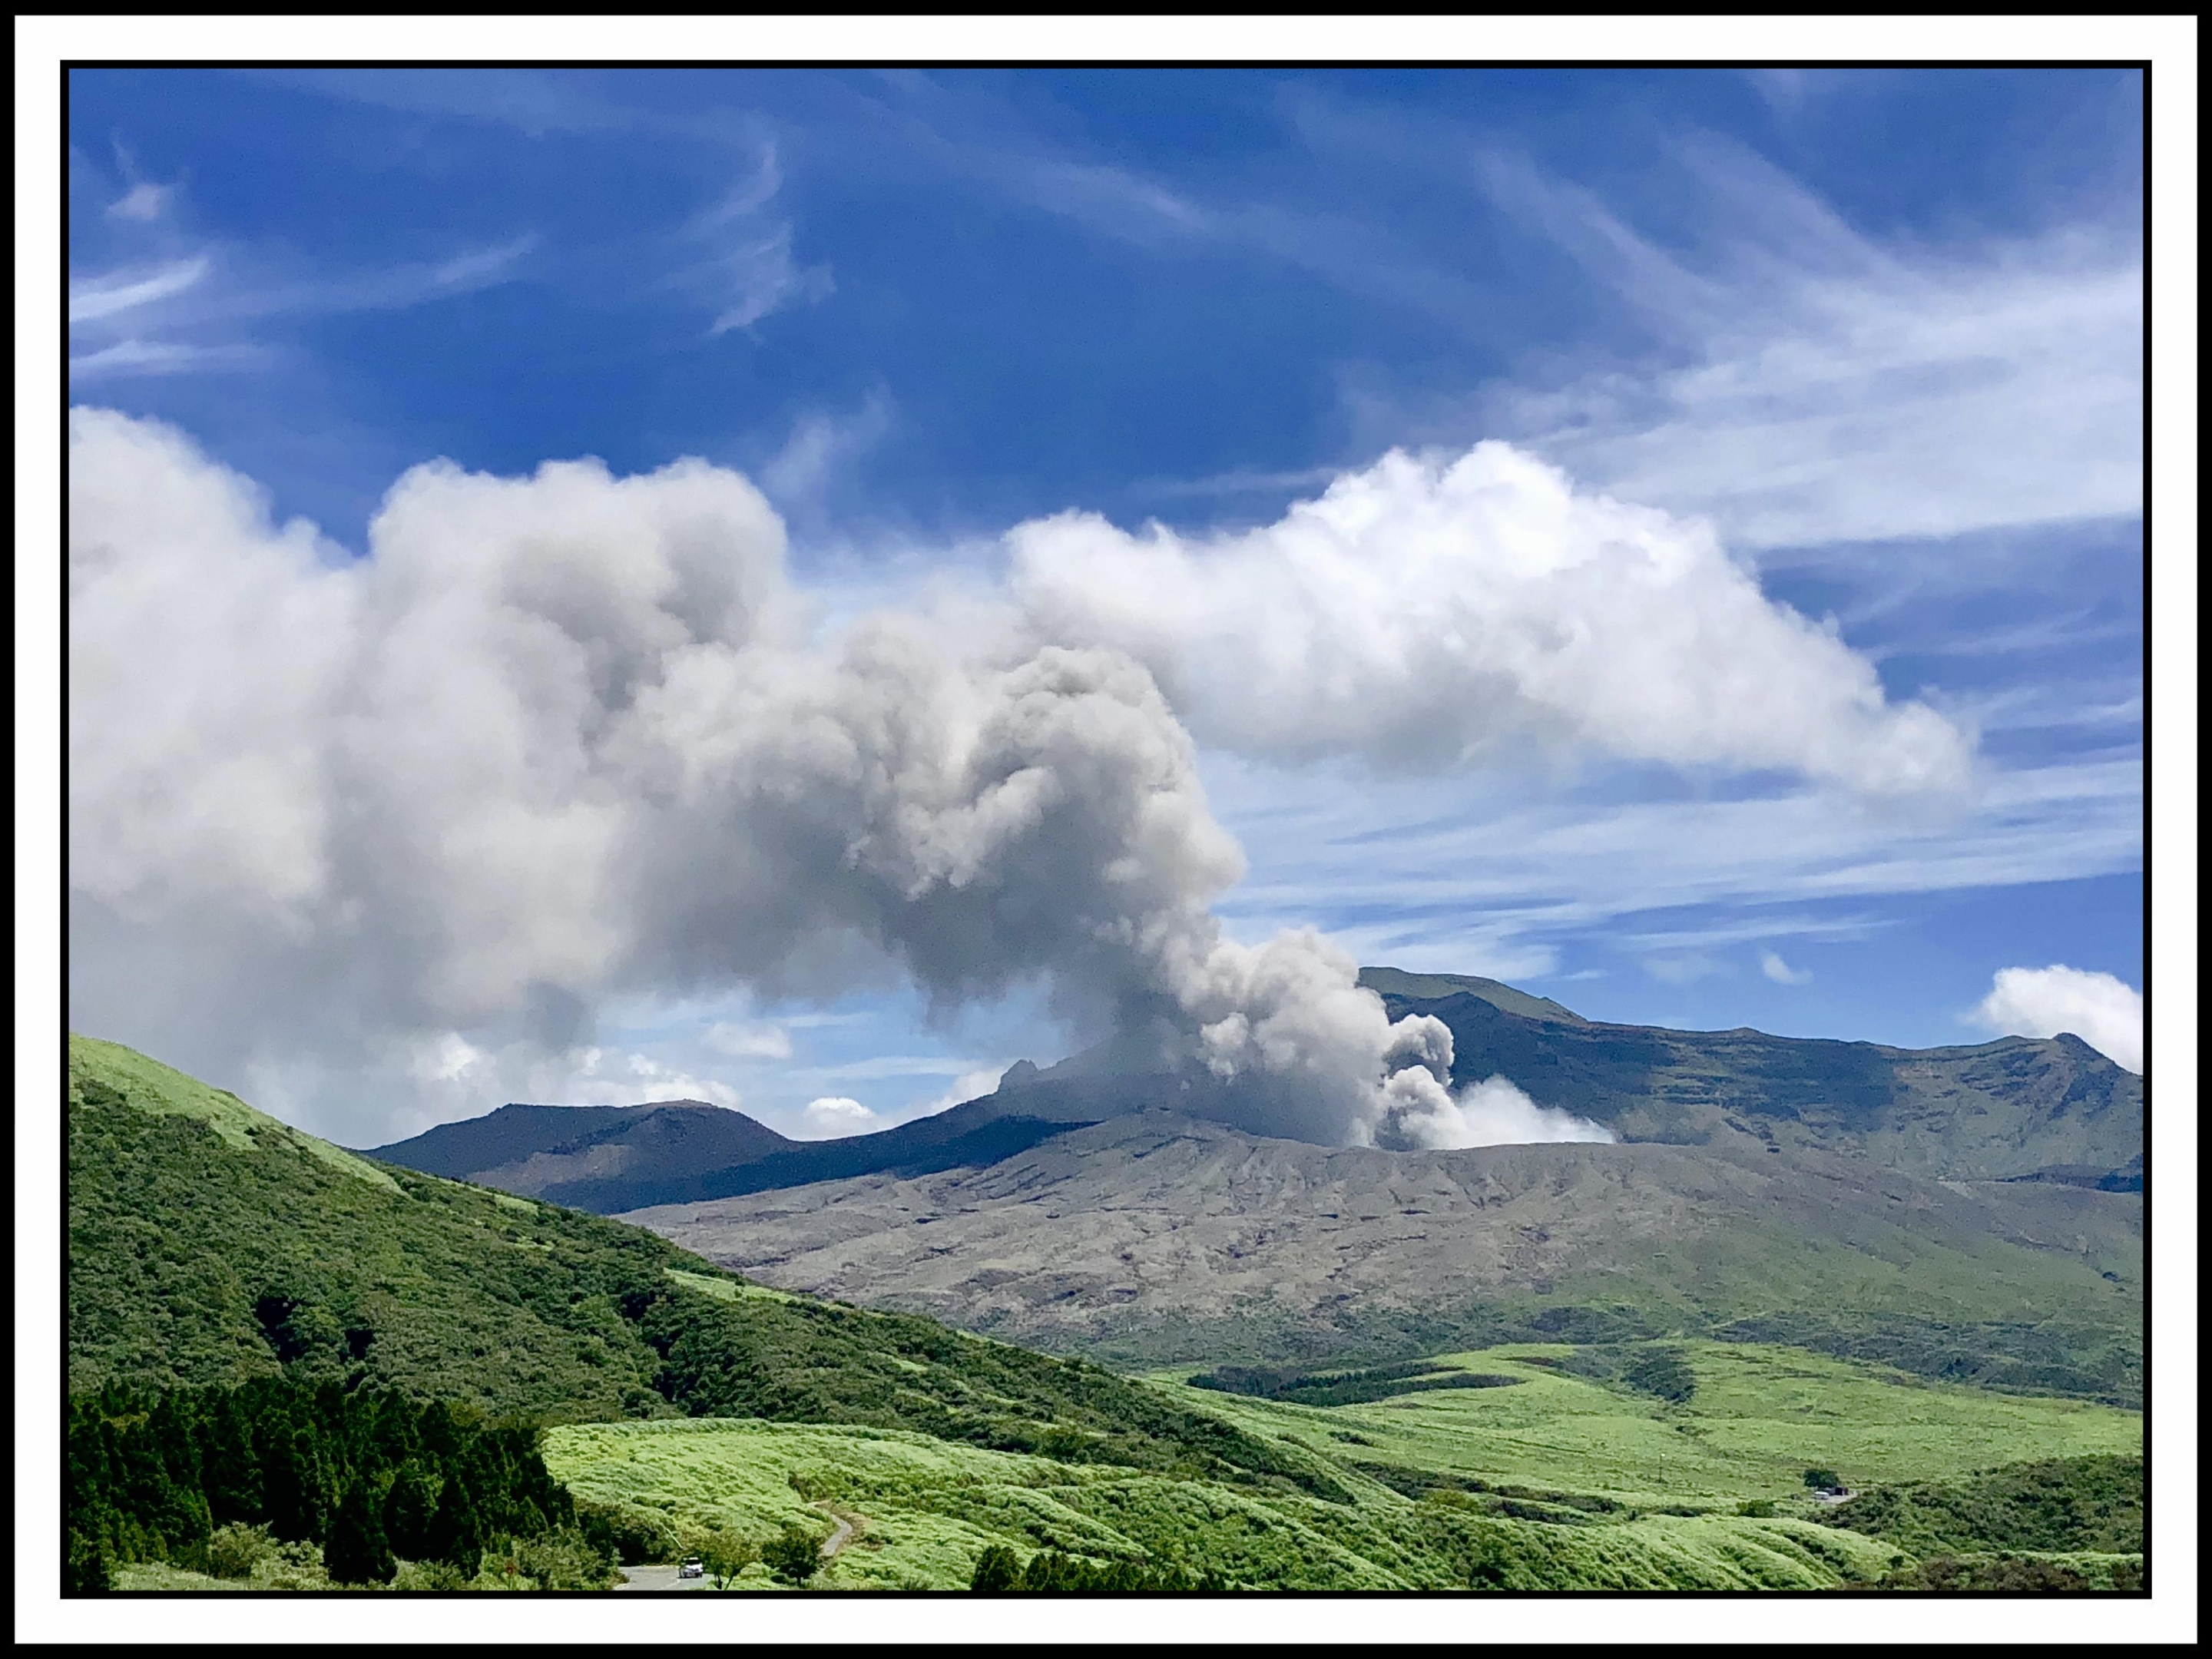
1880, 330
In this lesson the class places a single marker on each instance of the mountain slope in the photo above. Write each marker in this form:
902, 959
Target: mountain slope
1991, 1111
2015, 1109
548, 1152
608, 1159
1158, 1237
209, 1244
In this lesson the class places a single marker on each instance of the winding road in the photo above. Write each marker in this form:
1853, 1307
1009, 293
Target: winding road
666, 1579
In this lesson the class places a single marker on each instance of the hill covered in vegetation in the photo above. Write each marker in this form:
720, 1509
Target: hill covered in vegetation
210, 1244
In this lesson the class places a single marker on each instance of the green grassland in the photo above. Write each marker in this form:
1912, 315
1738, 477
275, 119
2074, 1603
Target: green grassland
209, 1244
1760, 1416
1555, 1482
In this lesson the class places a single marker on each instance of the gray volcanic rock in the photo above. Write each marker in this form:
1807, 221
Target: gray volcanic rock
2015, 1109
1166, 1219
1989, 1111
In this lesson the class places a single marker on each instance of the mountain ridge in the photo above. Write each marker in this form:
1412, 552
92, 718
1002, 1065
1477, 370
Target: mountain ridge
2015, 1109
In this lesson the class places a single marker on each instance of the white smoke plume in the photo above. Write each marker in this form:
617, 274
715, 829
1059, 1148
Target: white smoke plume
567, 737
1425, 613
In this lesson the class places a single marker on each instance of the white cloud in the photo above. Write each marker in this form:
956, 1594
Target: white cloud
2103, 1011
1816, 386
764, 1041
134, 356
142, 203
972, 1085
838, 1115
569, 738
1431, 613
1494, 869
748, 269
1772, 964
96, 297
1683, 970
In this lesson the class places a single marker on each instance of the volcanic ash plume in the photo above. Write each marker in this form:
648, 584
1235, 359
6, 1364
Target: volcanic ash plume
563, 737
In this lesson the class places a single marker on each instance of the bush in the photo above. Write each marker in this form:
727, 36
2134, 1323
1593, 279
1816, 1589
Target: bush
436, 1577
996, 1570
234, 1550
1823, 1479
631, 1536
85, 1568
793, 1555
564, 1560
1758, 1507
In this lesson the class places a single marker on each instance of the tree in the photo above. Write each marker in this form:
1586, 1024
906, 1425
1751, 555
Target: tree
293, 1484
1824, 1480
456, 1532
792, 1556
996, 1570
357, 1553
84, 1567
409, 1508
725, 1555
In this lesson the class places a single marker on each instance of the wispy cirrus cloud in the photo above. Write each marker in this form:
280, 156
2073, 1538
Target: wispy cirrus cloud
1810, 385
738, 258
1524, 868
206, 304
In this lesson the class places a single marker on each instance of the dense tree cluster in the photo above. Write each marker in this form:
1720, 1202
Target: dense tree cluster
1342, 1388
371, 1476
999, 1571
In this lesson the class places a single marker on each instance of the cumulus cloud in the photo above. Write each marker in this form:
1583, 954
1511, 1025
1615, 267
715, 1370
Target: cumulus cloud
560, 738
386, 832
839, 1115
1431, 611
2103, 1011
1772, 964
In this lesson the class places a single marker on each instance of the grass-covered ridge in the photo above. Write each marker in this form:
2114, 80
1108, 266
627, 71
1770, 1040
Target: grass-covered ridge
2091, 1504
212, 1246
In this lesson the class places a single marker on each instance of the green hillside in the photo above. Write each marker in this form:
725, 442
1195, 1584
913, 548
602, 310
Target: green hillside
1545, 1478
210, 1244
419, 1343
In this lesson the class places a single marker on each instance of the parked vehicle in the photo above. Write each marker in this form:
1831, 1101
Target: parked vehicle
693, 1567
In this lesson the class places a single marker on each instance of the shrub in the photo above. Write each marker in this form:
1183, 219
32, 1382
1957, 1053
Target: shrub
85, 1568
234, 1550
996, 1570
564, 1560
432, 1576
1823, 1479
1757, 1508
631, 1536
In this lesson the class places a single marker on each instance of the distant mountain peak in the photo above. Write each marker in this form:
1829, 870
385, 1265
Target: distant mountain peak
1434, 988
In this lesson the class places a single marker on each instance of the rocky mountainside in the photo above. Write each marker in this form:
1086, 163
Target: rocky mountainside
2053, 1111
2018, 1108
1153, 1235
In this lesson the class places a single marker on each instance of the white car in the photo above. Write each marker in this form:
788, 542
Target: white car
693, 1568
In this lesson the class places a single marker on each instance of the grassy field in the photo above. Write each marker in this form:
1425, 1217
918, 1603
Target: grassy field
1761, 1416
1556, 1482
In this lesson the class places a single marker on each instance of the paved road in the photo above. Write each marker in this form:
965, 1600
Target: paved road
666, 1579
658, 1579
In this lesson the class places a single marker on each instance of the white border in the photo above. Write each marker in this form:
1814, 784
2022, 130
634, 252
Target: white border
2170, 42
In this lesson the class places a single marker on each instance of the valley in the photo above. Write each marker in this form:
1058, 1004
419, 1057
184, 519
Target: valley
1588, 1366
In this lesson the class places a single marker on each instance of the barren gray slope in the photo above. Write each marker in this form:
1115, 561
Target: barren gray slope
1162, 1217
